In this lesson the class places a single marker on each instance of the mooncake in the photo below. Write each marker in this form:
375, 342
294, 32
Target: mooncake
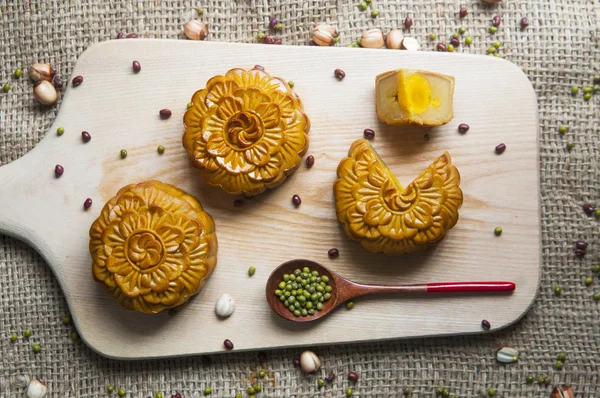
246, 131
153, 247
385, 217
414, 97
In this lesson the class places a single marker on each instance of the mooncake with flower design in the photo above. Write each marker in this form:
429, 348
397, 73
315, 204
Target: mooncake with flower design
385, 217
246, 131
152, 247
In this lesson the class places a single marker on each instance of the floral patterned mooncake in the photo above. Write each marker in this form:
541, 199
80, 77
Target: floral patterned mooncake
385, 217
246, 131
152, 247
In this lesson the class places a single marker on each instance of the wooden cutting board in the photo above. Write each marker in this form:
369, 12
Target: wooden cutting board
120, 110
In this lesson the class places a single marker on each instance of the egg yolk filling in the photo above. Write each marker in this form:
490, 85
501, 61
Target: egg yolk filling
415, 95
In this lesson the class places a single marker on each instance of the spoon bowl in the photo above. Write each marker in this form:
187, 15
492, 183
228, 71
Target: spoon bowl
344, 289
288, 268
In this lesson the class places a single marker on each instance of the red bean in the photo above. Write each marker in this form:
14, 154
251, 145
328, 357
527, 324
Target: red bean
136, 66
77, 80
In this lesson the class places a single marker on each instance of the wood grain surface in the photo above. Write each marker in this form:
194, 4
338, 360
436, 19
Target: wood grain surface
120, 110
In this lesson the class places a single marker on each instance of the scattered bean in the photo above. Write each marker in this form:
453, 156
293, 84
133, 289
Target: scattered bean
136, 66
455, 42
350, 304
85, 136
485, 324
529, 379
587, 96
18, 73
408, 22
349, 391
296, 362
228, 344
462, 12
491, 392
160, 149
333, 253
563, 129
36, 348
558, 290
14, 337
132, 36
450, 48
468, 40
524, 22
120, 35
77, 80
589, 280
6, 87
496, 21
291, 84
574, 90
580, 244
441, 47
463, 128
596, 296
493, 29
272, 22
353, 376
58, 170
498, 231
432, 36
57, 81
500, 148
310, 161
60, 131
251, 271
86, 205
570, 145
369, 134
165, 113
340, 74
374, 13
320, 382
461, 31
330, 377
296, 200
207, 391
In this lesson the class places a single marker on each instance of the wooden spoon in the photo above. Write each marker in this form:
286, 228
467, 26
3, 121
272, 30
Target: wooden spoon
344, 289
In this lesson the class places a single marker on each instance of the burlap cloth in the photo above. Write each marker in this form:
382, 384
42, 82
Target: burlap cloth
559, 49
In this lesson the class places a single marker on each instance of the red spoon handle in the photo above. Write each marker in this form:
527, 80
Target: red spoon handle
466, 287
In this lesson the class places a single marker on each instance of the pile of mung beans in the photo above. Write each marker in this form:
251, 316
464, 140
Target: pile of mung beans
304, 291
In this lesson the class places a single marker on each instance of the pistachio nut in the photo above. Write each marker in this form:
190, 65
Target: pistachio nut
372, 38
507, 355
225, 306
393, 39
44, 92
41, 72
324, 35
563, 391
310, 362
195, 30
36, 389
410, 44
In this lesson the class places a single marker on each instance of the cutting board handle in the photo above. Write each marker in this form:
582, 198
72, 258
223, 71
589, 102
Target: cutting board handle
14, 219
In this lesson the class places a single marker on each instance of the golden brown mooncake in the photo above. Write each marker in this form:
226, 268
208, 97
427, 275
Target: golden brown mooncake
246, 131
414, 97
385, 217
152, 247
